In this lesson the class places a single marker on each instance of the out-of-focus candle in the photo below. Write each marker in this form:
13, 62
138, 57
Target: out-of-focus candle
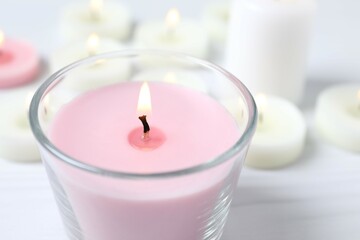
216, 17
108, 19
19, 62
280, 136
16, 140
267, 45
175, 34
185, 78
337, 116
101, 73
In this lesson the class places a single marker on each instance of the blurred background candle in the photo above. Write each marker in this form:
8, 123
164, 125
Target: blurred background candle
280, 135
182, 35
16, 140
110, 70
185, 78
107, 18
337, 116
267, 45
19, 62
215, 19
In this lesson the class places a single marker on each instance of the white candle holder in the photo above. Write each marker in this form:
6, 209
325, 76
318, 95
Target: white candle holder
106, 204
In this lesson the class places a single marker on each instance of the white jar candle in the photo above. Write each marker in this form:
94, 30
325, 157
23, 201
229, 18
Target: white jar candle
16, 139
108, 19
337, 116
280, 135
267, 45
185, 78
101, 73
216, 17
185, 36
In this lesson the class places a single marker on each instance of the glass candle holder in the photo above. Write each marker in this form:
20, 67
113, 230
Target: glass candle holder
108, 203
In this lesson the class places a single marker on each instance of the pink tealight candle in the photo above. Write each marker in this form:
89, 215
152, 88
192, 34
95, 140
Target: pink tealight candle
185, 128
19, 62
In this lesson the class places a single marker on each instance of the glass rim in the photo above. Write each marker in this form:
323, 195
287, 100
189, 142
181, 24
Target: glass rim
47, 85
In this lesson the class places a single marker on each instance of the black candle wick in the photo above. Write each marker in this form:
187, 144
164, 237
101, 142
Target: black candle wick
145, 123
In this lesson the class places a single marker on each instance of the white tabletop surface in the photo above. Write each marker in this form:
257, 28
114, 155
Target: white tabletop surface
316, 198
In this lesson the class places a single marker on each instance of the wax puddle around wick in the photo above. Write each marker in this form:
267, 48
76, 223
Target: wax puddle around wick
155, 139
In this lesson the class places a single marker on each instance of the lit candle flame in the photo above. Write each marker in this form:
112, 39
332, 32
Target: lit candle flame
144, 102
170, 77
92, 44
261, 102
172, 19
96, 7
2, 38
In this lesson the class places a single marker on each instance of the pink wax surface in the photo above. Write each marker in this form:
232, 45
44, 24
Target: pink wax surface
94, 128
19, 63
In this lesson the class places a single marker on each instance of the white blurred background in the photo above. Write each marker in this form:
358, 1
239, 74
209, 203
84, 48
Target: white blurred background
334, 54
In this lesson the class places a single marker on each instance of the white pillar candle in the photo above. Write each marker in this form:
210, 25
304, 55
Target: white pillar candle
185, 36
280, 135
185, 78
337, 116
16, 140
108, 19
267, 45
216, 17
101, 73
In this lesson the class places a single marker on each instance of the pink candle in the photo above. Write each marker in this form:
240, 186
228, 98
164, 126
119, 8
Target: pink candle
19, 62
96, 128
